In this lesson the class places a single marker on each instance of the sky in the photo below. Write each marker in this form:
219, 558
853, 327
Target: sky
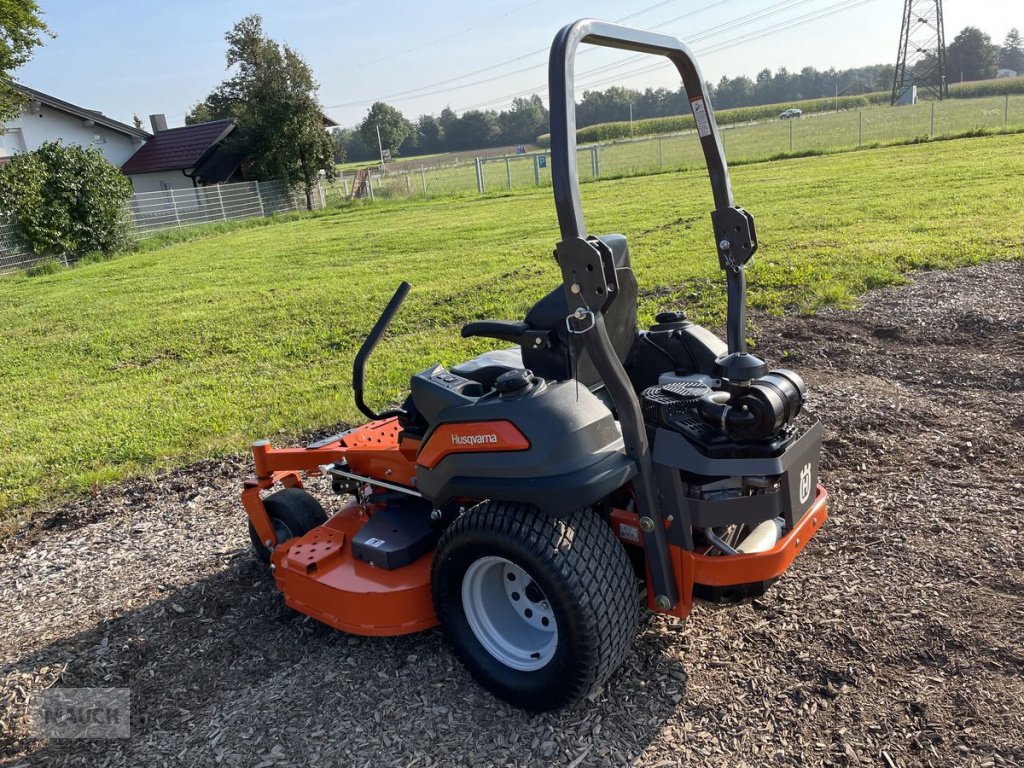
144, 57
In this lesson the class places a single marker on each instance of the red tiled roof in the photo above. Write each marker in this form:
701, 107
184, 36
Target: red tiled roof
178, 148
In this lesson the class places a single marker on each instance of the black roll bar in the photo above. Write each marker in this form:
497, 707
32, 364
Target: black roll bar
563, 110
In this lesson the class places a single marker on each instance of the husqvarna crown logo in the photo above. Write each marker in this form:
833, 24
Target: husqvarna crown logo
490, 439
805, 483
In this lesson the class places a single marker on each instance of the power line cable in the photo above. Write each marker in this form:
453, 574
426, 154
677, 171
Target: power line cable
714, 48
419, 90
406, 52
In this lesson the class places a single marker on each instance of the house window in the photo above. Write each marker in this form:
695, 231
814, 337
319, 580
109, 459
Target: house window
99, 138
11, 142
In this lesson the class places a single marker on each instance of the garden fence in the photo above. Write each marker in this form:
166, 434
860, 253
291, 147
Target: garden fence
817, 132
153, 212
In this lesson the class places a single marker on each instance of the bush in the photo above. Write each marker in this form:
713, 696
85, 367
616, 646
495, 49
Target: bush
67, 200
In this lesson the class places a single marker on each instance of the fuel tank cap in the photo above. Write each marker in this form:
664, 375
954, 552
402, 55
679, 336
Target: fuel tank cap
514, 382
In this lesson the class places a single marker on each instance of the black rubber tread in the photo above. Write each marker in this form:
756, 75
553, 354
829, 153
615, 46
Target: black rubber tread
583, 571
296, 509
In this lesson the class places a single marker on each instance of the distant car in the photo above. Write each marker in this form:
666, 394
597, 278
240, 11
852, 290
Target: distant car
790, 114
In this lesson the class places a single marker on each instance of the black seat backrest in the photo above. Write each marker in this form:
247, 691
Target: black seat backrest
550, 312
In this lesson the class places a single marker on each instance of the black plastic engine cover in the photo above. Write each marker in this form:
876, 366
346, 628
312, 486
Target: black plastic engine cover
575, 453
397, 535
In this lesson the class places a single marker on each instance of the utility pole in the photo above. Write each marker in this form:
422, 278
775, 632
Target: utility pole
921, 58
380, 147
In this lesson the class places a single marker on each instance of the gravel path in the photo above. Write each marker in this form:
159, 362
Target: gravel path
895, 640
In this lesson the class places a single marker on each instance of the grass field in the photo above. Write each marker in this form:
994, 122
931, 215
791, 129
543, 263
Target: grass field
743, 142
193, 350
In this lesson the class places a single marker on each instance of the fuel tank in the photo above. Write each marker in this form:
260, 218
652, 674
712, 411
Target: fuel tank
551, 444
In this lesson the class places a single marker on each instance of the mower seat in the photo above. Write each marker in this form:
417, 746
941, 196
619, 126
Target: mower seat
566, 358
547, 347
486, 368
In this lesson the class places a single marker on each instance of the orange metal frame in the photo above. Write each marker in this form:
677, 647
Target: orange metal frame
719, 571
319, 576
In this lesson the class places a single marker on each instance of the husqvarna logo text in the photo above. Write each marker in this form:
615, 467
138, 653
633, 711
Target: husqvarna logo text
474, 439
805, 483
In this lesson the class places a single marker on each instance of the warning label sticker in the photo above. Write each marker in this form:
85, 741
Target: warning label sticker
700, 115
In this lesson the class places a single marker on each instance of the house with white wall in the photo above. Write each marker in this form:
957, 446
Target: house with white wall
46, 118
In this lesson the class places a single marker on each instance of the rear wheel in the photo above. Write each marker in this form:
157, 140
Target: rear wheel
293, 512
540, 609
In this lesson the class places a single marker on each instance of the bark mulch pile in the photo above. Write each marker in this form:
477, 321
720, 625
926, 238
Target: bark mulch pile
895, 639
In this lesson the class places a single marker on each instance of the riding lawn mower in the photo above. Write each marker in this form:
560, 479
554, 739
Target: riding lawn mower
534, 500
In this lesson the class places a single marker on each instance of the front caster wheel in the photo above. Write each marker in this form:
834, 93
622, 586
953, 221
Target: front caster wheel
540, 609
293, 512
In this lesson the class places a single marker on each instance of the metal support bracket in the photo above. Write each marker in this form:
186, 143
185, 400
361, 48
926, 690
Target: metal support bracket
591, 284
735, 236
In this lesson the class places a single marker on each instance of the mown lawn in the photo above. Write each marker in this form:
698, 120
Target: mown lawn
161, 357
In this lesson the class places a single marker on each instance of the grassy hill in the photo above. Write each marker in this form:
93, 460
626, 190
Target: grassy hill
157, 358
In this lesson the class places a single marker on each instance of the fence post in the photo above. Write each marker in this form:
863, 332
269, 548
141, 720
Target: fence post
423, 180
174, 205
508, 172
1006, 110
408, 185
220, 199
369, 187
344, 186
860, 129
259, 196
479, 175
932, 132
595, 162
661, 154
536, 170
791, 134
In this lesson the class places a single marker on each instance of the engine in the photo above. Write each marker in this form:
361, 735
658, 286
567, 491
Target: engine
751, 417
744, 464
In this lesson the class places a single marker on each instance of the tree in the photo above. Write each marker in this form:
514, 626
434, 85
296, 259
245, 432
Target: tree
524, 122
394, 128
474, 130
971, 56
430, 133
21, 32
1011, 55
67, 199
272, 97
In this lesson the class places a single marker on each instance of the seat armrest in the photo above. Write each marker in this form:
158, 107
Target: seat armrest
506, 330
515, 331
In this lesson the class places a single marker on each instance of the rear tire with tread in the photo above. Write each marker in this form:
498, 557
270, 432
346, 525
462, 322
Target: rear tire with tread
581, 570
293, 512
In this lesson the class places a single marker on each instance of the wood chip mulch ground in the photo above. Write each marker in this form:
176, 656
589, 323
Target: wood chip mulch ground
895, 640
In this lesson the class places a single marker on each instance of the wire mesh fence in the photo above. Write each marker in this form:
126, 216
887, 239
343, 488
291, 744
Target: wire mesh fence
154, 212
818, 132
167, 209
14, 254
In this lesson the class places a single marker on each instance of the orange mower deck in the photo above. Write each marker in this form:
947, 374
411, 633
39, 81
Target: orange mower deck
319, 576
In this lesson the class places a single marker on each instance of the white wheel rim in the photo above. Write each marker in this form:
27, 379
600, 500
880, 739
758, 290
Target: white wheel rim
509, 614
